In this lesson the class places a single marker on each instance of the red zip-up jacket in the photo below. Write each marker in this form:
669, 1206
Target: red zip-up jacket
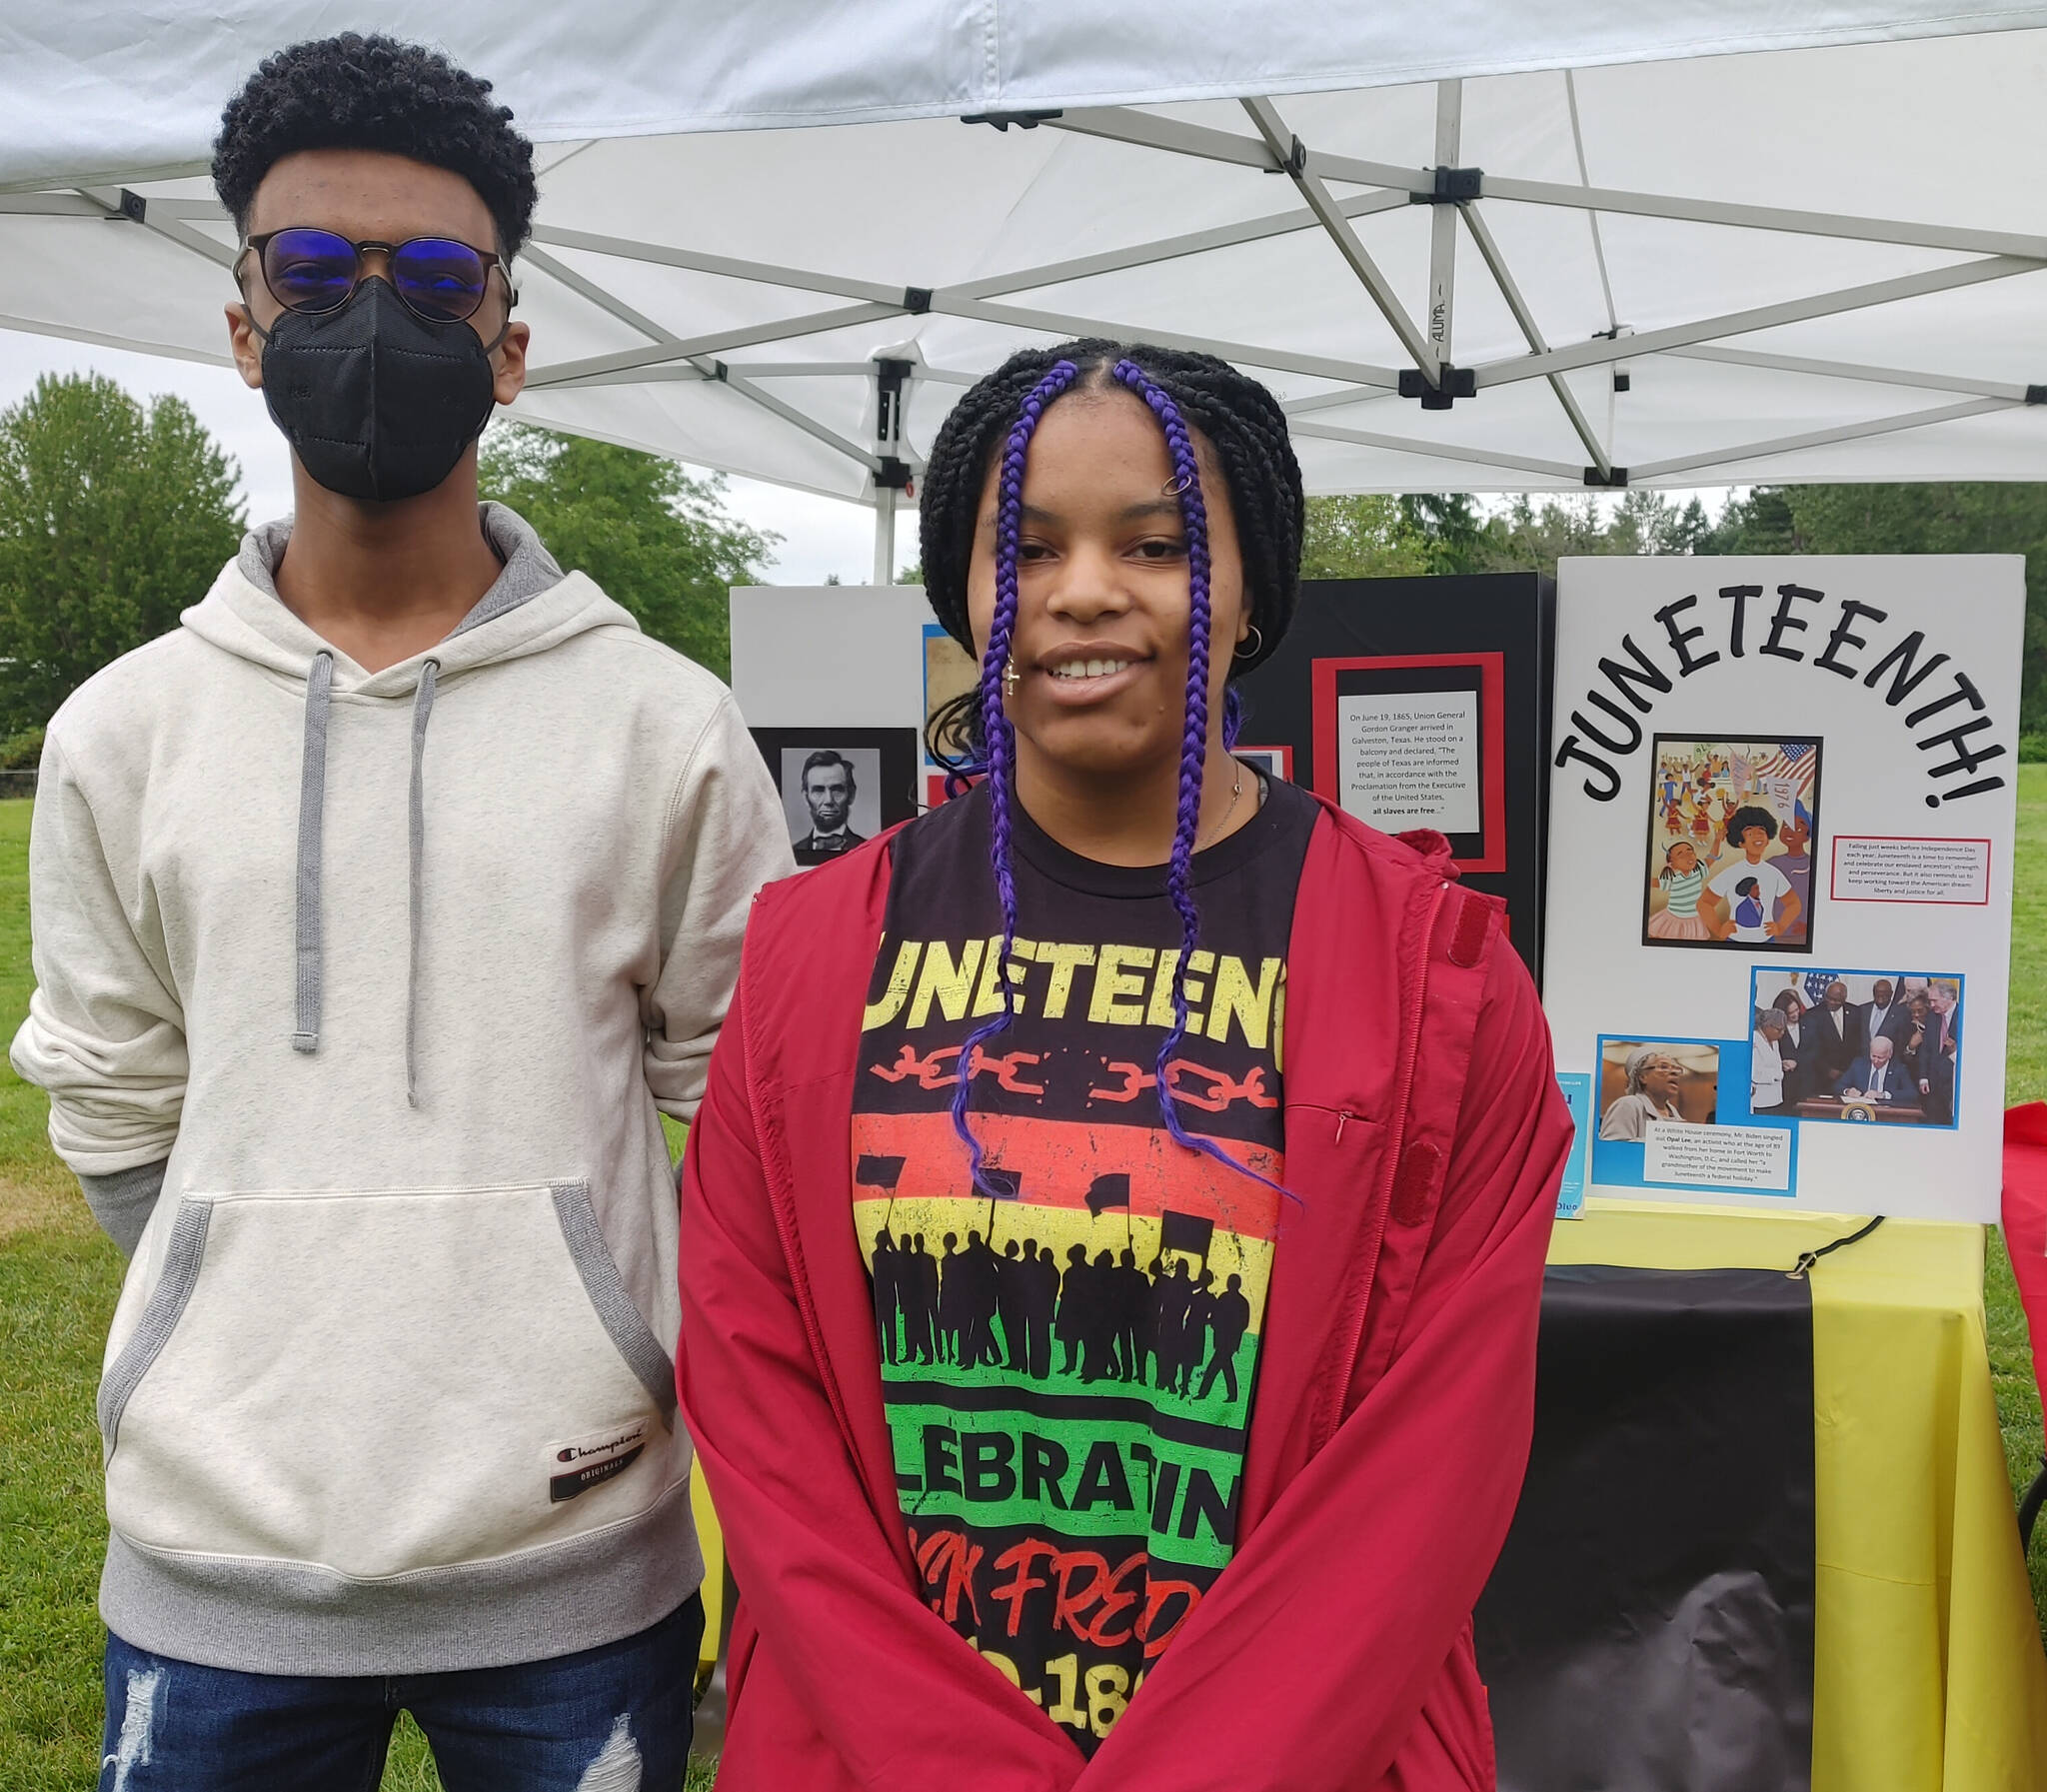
1425, 1137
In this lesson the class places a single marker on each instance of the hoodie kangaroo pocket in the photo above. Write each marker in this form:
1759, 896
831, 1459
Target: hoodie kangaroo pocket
385, 1381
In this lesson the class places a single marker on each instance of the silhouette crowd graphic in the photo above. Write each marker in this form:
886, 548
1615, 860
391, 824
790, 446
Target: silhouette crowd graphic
971, 1308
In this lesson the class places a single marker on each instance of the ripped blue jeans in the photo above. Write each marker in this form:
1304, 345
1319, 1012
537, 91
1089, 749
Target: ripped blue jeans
611, 1719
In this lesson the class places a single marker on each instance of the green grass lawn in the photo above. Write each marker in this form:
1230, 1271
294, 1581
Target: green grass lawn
59, 1278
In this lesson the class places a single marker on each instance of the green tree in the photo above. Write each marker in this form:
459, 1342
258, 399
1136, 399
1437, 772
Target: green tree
1360, 537
1761, 521
1451, 529
1982, 517
114, 516
660, 541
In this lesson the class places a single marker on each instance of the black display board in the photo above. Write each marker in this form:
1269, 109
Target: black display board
840, 786
1474, 650
1650, 1621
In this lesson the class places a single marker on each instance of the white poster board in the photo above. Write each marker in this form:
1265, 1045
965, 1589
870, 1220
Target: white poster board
1410, 759
834, 681
1778, 783
829, 655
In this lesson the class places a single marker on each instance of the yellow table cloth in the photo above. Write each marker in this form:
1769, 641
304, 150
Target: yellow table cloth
1928, 1675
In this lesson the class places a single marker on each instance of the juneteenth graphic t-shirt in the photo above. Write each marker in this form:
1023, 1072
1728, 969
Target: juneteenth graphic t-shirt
1067, 1365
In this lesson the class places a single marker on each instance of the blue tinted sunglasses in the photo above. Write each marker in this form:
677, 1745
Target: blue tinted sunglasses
439, 279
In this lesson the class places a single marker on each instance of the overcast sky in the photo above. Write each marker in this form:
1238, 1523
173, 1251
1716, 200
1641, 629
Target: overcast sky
821, 535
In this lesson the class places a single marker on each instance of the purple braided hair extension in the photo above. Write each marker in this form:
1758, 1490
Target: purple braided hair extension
1193, 753
998, 738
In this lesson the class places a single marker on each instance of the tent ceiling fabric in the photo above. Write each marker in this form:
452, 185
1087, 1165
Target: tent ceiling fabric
1807, 264
115, 91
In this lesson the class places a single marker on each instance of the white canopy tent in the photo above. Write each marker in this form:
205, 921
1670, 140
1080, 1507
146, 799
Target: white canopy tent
1472, 249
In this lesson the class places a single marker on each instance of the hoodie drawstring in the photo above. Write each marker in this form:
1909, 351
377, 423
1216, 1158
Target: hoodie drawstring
312, 803
422, 712
312, 799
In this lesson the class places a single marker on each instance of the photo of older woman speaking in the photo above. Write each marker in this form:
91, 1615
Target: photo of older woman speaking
1652, 1078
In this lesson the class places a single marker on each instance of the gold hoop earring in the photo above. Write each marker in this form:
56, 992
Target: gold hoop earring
1009, 678
1256, 648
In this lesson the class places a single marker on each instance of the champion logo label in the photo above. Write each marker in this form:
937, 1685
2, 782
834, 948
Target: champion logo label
610, 1446
587, 1462
591, 1474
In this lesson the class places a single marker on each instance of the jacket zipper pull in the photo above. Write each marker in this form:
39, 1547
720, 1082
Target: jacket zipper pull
1342, 1115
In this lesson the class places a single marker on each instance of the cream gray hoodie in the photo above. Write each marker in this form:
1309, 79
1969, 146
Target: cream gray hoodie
382, 978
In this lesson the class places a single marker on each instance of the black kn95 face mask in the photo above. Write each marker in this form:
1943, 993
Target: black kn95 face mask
376, 402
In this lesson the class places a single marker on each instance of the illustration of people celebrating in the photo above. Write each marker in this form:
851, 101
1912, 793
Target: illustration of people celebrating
1681, 879
1702, 818
1751, 902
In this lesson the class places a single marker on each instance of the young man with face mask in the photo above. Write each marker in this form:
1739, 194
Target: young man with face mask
377, 911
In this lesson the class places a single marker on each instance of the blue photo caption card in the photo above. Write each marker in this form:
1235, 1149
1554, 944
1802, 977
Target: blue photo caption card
1578, 1091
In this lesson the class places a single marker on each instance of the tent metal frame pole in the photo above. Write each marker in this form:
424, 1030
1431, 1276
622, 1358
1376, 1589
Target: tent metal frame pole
1056, 323
1442, 225
987, 286
1330, 400
1852, 432
1442, 451
192, 211
1148, 130
691, 373
1740, 322
50, 205
851, 369
816, 323
1287, 150
728, 267
684, 373
1850, 370
586, 288
791, 415
889, 405
1897, 232
99, 339
117, 178
171, 229
1570, 95
616, 306
1509, 289
1164, 249
1124, 124
884, 535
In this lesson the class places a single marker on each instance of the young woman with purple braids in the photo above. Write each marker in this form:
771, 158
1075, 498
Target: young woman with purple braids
1108, 1335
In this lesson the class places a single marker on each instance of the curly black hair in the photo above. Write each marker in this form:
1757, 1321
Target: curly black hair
1742, 819
356, 92
1241, 419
